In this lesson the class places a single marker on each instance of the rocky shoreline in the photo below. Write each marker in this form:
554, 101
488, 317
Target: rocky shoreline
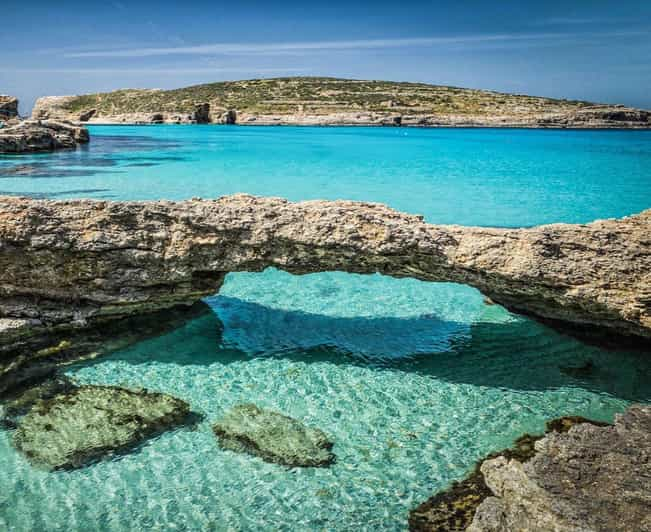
597, 117
580, 475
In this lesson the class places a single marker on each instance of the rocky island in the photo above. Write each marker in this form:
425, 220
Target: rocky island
332, 101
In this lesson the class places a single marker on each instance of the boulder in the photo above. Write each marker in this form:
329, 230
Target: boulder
88, 423
273, 437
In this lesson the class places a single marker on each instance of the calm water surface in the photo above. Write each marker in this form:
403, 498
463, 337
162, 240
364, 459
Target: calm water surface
413, 381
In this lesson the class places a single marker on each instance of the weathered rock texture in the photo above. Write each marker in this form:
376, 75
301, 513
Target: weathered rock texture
454, 509
589, 479
330, 101
41, 135
8, 107
274, 437
67, 263
86, 423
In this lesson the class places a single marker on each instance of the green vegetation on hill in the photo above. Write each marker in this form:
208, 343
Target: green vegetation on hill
320, 96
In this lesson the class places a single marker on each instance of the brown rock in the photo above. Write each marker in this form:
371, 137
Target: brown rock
588, 478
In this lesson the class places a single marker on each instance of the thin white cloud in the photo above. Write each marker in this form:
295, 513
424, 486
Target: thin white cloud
359, 44
265, 48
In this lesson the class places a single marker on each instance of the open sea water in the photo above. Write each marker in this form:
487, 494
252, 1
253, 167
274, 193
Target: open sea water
413, 381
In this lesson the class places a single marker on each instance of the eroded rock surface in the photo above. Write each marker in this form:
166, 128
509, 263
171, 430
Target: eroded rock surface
454, 509
77, 427
68, 264
8, 107
273, 437
589, 478
41, 135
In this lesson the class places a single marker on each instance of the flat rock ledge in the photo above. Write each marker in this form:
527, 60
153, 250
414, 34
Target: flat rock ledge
274, 437
66, 265
86, 423
27, 136
582, 475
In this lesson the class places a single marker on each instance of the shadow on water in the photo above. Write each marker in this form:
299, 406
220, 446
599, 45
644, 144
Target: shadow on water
518, 354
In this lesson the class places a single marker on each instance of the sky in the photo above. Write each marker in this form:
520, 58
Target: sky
591, 50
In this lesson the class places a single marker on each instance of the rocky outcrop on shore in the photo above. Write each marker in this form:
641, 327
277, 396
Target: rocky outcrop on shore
274, 437
72, 264
8, 107
579, 475
86, 423
590, 478
41, 135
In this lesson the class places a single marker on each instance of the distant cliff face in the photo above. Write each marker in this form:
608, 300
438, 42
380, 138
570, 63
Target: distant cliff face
8, 107
329, 101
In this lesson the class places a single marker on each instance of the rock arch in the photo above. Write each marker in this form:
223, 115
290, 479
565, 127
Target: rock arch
74, 263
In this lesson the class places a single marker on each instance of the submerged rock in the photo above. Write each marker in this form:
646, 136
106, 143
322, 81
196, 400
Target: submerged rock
273, 437
454, 508
87, 423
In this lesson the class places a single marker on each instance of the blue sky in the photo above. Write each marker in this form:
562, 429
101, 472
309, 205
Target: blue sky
593, 50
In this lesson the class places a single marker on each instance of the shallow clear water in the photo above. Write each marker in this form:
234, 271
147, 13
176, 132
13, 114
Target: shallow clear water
413, 381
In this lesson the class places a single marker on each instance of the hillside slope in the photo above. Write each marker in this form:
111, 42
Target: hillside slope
331, 101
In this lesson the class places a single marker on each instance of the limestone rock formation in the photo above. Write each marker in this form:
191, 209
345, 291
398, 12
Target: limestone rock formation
454, 509
273, 437
67, 264
8, 107
41, 135
89, 422
590, 478
58, 108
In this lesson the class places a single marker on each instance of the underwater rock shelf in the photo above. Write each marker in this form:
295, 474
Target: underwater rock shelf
65, 265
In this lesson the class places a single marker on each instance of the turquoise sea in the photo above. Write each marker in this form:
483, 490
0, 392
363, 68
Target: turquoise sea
413, 381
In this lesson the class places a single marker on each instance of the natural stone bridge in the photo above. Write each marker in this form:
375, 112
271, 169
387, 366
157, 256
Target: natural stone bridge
74, 263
